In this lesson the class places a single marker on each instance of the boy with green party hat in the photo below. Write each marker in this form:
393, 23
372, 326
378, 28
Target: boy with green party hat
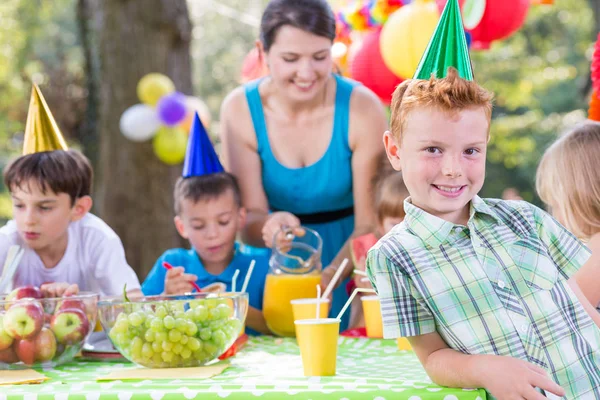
481, 287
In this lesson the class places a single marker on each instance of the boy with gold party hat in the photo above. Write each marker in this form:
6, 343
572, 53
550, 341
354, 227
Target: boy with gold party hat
482, 288
67, 249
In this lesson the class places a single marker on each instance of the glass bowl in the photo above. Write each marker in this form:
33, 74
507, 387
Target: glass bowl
38, 331
174, 331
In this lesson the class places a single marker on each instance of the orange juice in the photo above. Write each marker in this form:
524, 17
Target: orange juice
280, 290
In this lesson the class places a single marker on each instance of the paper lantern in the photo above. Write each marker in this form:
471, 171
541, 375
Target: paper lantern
253, 66
501, 19
405, 36
471, 10
595, 66
368, 67
594, 110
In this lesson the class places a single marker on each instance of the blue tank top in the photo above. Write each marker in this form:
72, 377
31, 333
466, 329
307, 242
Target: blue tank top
323, 186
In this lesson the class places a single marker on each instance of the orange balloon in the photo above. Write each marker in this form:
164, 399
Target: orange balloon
194, 104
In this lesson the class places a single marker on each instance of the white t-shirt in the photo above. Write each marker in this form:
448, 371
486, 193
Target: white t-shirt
94, 259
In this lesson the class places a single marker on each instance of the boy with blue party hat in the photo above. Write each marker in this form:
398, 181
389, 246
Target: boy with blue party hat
208, 213
67, 249
482, 288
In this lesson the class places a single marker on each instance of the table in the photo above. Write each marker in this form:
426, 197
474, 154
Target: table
267, 369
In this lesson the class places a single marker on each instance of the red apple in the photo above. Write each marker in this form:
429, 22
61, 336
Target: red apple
45, 345
70, 326
24, 319
67, 303
8, 356
25, 350
22, 292
5, 339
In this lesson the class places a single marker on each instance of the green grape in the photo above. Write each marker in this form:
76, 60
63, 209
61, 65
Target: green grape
121, 325
186, 353
235, 324
161, 312
157, 360
160, 336
149, 336
184, 339
225, 310
121, 339
169, 322
200, 313
157, 324
179, 314
147, 351
219, 337
136, 345
194, 344
199, 355
177, 348
181, 324
210, 348
192, 329
176, 361
167, 356
205, 334
175, 335
176, 306
136, 319
214, 325
189, 314
148, 321
214, 314
167, 346
157, 347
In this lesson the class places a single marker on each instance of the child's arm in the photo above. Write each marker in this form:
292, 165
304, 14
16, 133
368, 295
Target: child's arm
178, 282
59, 289
504, 377
588, 276
256, 320
592, 312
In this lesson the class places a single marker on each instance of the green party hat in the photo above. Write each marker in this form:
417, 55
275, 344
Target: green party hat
447, 47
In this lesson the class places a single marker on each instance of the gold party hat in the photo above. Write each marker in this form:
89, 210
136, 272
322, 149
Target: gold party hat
41, 130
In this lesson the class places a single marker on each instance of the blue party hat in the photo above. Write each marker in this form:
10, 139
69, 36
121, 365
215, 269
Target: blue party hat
200, 156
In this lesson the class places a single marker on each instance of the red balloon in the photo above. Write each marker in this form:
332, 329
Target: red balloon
501, 19
368, 67
595, 66
442, 3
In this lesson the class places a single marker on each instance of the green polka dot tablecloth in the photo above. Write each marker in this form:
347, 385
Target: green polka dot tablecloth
267, 369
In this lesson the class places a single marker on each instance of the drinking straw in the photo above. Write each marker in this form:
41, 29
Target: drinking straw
248, 274
335, 278
234, 279
318, 300
357, 290
359, 272
169, 266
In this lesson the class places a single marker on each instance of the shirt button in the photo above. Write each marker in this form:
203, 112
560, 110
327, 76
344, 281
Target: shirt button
457, 229
501, 284
524, 328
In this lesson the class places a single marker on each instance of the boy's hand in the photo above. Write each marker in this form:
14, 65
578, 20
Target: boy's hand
286, 225
512, 378
178, 282
59, 289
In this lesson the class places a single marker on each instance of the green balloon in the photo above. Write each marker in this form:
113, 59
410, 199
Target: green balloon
447, 47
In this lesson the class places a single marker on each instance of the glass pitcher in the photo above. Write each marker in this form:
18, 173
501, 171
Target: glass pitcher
295, 272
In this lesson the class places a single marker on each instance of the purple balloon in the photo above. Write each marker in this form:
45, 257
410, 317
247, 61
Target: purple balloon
171, 108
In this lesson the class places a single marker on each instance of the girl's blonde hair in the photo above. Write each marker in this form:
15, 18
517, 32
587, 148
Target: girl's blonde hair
389, 190
568, 179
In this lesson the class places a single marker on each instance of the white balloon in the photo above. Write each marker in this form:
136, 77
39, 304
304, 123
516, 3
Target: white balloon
139, 123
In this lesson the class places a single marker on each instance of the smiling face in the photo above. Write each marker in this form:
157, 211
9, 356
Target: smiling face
442, 159
300, 62
211, 226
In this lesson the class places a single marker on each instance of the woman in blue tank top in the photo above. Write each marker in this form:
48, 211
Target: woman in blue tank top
302, 141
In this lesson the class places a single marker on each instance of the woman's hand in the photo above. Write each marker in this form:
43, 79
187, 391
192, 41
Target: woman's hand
286, 225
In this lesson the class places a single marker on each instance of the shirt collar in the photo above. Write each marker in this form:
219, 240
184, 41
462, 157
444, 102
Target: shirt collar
434, 230
226, 276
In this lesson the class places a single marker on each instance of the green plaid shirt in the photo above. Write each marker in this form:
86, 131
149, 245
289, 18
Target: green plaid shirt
496, 286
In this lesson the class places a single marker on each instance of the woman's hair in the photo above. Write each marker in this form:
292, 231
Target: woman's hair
568, 179
314, 16
389, 190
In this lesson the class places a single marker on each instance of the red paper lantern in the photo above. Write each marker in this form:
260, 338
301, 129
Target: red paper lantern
501, 19
367, 67
253, 66
594, 110
595, 66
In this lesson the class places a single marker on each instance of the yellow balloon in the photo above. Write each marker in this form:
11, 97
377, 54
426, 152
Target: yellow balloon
154, 86
170, 144
405, 36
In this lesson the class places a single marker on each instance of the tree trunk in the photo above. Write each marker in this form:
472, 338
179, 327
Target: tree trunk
135, 189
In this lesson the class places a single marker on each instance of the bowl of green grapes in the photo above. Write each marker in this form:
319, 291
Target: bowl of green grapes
176, 330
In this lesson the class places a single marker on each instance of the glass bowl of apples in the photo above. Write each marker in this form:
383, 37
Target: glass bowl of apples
175, 330
38, 331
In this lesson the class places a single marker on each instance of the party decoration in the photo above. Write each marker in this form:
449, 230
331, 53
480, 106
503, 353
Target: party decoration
595, 66
253, 66
405, 36
195, 105
171, 108
364, 15
368, 68
472, 11
139, 123
594, 110
41, 131
170, 144
200, 156
447, 48
500, 20
154, 86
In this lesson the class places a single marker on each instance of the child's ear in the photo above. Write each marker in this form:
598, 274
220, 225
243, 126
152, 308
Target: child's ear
82, 206
180, 227
392, 150
241, 217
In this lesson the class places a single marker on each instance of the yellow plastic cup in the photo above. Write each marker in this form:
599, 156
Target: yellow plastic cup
404, 344
372, 310
317, 339
307, 308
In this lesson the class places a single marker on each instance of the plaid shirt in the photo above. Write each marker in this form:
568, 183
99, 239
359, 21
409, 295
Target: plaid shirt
496, 286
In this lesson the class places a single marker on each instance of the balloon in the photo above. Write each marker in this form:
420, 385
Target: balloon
472, 11
139, 123
171, 108
595, 66
500, 20
169, 145
368, 68
193, 105
154, 86
405, 36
